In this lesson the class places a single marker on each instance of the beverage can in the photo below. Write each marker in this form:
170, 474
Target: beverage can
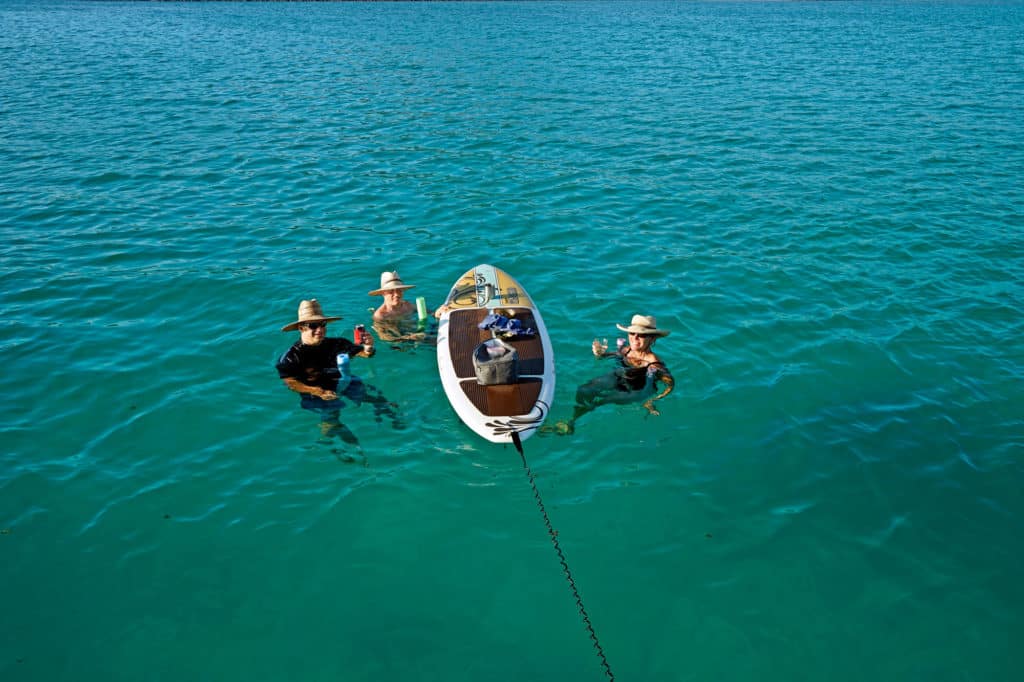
359, 334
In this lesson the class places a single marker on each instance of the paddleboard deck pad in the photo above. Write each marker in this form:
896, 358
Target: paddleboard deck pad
494, 411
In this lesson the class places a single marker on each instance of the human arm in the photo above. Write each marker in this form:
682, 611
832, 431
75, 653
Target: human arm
661, 374
315, 391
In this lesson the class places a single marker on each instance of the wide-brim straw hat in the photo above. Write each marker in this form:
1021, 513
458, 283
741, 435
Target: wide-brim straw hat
390, 281
644, 324
309, 311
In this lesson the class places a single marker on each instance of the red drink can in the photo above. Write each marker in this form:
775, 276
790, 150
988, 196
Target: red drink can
359, 334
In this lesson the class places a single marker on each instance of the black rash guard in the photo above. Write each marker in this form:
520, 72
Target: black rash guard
315, 365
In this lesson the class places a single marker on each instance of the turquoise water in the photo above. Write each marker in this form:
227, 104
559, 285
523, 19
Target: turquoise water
822, 201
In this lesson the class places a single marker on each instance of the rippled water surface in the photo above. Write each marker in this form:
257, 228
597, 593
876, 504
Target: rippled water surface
822, 201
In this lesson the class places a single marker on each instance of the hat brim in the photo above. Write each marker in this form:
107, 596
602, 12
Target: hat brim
381, 292
295, 325
645, 331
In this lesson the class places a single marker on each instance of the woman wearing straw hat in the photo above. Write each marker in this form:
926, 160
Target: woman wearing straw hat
397, 319
315, 368
636, 377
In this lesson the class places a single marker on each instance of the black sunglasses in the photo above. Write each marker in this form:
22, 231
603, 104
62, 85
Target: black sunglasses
314, 325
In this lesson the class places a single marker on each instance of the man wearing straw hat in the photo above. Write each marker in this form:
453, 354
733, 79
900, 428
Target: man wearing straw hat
397, 320
392, 288
316, 367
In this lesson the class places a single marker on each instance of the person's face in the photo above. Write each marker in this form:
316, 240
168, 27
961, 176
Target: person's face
312, 332
393, 298
640, 342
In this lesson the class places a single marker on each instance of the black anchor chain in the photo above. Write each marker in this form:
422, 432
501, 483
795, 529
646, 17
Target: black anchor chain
561, 558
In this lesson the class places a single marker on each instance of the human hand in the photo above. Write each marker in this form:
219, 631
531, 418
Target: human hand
369, 349
599, 347
650, 408
327, 395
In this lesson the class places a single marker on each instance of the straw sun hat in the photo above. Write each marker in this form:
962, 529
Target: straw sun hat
390, 281
644, 324
309, 311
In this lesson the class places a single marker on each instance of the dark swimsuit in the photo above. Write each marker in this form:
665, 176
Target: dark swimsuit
634, 378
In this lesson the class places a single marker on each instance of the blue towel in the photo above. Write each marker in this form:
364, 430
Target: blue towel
508, 328
493, 320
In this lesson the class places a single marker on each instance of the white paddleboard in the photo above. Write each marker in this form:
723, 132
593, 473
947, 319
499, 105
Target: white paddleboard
497, 411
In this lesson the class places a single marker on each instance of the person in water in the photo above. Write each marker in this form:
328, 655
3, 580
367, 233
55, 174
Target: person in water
637, 374
397, 319
317, 368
